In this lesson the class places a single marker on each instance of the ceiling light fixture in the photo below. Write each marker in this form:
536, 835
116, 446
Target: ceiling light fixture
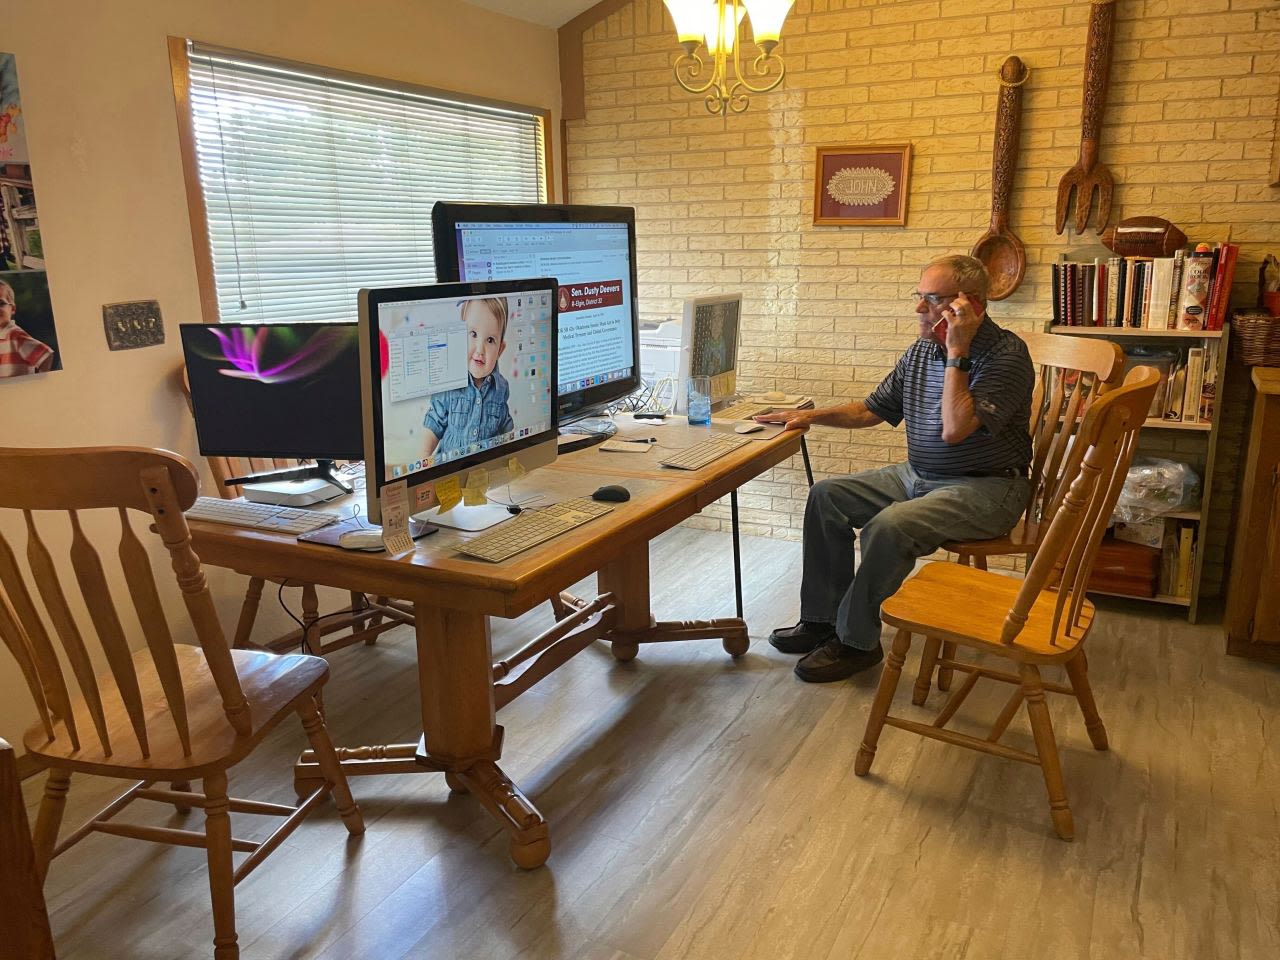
716, 23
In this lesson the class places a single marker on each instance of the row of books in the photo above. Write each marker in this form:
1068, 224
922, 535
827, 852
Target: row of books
1188, 291
1188, 380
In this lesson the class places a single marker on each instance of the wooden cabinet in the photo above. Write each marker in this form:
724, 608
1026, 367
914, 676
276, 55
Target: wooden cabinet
1253, 599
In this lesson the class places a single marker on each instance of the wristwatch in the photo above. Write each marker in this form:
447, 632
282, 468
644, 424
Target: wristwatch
960, 363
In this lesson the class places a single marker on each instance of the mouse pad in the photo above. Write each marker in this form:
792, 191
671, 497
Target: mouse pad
329, 535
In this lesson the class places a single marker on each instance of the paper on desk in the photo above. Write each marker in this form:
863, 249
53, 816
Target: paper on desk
448, 493
395, 518
473, 494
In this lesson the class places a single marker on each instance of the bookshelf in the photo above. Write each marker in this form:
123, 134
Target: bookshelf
1204, 435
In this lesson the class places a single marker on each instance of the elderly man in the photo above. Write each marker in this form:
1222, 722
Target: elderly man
964, 389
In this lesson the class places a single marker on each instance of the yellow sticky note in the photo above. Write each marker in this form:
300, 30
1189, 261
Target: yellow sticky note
515, 469
473, 494
448, 493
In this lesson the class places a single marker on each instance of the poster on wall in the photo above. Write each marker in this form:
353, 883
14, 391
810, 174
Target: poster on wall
28, 339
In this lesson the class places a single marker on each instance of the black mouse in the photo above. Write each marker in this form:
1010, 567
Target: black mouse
612, 493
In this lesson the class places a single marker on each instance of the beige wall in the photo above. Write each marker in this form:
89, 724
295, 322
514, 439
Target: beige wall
727, 204
98, 104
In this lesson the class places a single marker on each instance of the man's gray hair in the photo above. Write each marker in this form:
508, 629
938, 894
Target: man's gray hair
968, 272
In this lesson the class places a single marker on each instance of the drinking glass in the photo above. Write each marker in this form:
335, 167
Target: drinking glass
699, 400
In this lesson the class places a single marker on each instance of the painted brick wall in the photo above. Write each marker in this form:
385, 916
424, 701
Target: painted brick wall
726, 204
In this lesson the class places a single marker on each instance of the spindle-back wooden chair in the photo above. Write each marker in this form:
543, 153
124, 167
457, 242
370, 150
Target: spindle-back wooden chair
1042, 619
1072, 372
160, 711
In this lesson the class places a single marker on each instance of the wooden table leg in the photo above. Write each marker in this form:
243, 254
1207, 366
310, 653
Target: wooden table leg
455, 677
627, 578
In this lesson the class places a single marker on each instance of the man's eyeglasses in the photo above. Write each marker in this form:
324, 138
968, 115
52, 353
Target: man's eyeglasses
933, 299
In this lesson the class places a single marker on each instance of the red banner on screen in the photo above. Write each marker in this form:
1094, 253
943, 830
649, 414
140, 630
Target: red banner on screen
590, 296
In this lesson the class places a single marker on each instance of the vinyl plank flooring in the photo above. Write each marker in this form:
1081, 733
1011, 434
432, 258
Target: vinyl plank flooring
702, 807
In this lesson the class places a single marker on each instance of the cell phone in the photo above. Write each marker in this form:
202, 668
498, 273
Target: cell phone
939, 331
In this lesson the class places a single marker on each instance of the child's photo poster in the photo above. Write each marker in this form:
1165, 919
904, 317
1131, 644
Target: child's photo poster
28, 338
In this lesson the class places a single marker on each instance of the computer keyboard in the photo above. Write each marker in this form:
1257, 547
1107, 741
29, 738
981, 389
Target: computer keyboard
743, 410
705, 451
260, 516
533, 527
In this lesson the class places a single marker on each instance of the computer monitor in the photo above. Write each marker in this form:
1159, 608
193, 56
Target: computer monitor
455, 377
277, 390
709, 346
591, 251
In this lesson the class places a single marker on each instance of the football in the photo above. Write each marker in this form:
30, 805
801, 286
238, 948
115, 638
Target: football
1144, 237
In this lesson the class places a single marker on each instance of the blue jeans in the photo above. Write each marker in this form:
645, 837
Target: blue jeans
901, 517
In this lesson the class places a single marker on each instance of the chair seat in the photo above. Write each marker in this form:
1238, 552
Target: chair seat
1022, 539
272, 684
969, 606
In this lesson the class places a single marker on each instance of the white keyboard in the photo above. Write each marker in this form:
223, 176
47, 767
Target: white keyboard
533, 527
260, 516
705, 451
743, 410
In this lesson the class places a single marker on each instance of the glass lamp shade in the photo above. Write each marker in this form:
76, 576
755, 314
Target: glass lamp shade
766, 19
690, 18
722, 25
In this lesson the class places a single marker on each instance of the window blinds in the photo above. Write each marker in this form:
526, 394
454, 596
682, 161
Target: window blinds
317, 185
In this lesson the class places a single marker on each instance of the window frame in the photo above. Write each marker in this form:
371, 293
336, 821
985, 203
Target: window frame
180, 70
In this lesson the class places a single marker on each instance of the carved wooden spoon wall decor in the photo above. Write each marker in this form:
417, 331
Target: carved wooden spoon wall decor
999, 249
1088, 175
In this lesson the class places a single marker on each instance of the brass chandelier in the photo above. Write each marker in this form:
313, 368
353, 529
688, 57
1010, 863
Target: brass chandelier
716, 23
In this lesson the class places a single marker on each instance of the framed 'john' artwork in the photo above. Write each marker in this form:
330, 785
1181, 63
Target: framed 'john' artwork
862, 186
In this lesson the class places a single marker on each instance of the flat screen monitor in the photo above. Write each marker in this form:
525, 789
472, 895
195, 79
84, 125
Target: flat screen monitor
591, 252
455, 377
709, 345
289, 390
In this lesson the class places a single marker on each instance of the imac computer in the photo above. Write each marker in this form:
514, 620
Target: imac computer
591, 252
709, 346
456, 377
277, 390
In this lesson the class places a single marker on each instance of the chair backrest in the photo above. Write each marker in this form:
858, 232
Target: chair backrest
26, 925
1106, 441
1072, 373
156, 483
224, 468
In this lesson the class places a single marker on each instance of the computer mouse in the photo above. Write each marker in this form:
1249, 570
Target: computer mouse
748, 428
361, 540
774, 395
612, 493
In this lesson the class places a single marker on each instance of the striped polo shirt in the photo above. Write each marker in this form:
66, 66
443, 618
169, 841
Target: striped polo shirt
1000, 382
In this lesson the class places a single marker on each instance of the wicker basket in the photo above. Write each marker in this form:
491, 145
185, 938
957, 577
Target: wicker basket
1258, 334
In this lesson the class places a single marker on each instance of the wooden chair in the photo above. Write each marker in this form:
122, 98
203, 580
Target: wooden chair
24, 929
1072, 373
365, 618
1043, 619
162, 711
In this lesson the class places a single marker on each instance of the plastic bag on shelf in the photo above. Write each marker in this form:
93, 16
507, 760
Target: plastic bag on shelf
1154, 487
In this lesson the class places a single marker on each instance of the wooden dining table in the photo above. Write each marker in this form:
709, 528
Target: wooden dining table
454, 596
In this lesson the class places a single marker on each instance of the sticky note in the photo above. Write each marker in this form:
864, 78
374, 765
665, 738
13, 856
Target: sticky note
515, 469
448, 493
473, 494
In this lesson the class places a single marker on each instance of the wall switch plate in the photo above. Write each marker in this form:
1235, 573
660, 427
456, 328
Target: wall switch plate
135, 323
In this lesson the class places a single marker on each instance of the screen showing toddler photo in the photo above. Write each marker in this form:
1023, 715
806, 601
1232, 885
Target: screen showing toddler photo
462, 376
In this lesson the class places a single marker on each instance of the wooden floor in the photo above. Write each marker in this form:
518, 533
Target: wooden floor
706, 808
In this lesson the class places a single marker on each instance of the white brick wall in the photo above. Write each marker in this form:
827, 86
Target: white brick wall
726, 204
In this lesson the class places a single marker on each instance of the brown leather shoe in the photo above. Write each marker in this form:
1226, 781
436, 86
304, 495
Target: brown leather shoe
804, 636
836, 661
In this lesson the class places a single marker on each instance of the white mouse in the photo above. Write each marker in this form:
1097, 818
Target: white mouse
750, 427
774, 395
361, 540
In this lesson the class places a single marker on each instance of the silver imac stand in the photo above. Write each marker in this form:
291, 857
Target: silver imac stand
463, 517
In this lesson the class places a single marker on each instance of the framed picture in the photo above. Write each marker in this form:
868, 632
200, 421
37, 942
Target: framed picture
862, 186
